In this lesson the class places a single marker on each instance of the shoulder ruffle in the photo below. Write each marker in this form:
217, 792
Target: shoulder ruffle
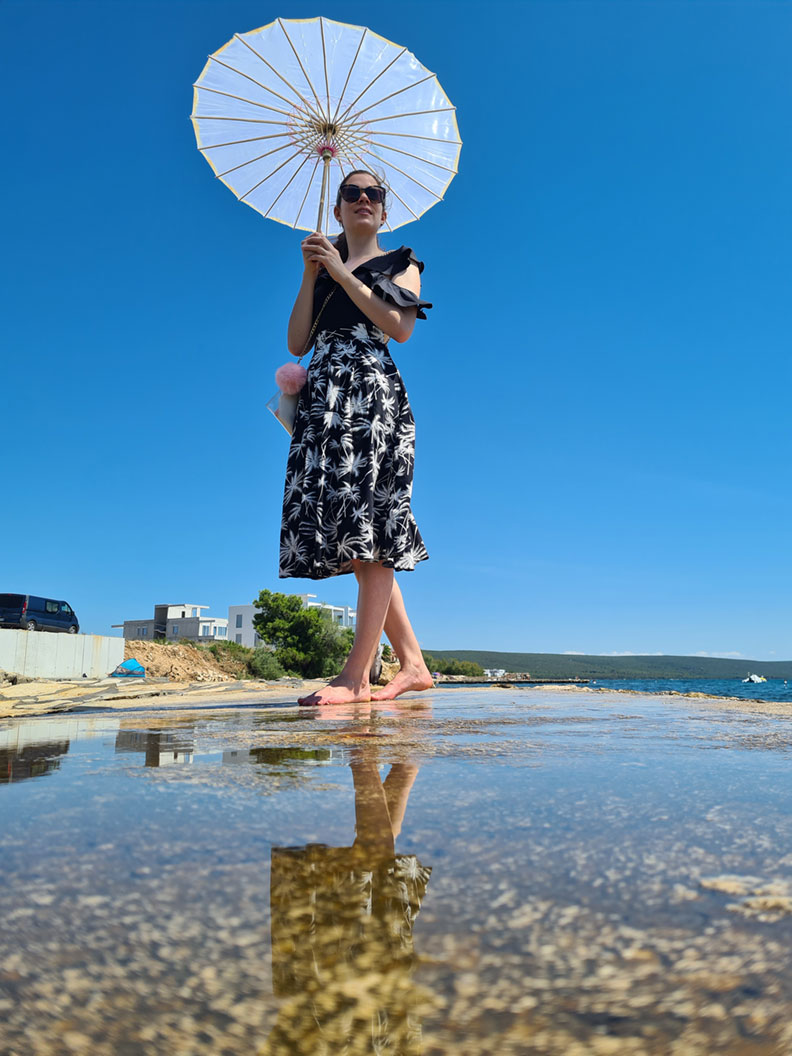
382, 269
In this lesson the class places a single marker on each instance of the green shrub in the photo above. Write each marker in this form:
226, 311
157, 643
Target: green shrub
264, 664
230, 649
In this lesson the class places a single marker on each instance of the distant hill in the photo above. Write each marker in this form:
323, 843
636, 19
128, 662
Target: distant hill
561, 665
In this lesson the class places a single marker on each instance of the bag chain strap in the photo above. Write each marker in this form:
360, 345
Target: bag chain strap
315, 324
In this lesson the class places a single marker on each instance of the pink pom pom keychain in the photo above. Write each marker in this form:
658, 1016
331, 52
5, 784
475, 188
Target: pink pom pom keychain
290, 378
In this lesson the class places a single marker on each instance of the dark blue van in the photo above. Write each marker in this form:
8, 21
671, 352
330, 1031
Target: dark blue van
30, 613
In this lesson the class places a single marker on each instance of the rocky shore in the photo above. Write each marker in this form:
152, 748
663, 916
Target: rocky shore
47, 698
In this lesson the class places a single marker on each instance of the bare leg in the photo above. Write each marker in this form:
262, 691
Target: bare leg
352, 685
372, 820
378, 641
397, 785
414, 674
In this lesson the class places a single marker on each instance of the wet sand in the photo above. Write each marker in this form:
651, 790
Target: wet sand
539, 870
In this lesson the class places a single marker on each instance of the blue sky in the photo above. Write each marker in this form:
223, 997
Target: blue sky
601, 390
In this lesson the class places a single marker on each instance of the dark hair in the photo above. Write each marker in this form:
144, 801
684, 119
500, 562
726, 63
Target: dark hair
341, 240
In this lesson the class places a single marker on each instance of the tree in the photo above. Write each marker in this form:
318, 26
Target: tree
306, 641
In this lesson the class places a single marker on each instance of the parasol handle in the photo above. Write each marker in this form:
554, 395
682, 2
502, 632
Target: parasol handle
326, 158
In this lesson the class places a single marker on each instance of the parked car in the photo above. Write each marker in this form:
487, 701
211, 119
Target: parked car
37, 614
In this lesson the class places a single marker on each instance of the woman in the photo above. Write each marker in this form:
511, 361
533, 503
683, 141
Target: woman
346, 501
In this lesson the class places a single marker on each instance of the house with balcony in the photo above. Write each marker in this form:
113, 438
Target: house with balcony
343, 615
173, 622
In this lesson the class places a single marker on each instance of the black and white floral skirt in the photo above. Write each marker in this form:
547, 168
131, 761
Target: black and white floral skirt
350, 469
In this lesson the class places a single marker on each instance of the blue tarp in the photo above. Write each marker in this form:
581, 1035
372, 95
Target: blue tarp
129, 669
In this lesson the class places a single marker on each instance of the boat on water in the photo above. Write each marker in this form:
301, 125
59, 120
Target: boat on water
755, 678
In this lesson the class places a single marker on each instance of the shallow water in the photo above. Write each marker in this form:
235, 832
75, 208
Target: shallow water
507, 871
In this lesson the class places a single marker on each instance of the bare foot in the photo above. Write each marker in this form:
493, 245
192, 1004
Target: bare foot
337, 692
410, 678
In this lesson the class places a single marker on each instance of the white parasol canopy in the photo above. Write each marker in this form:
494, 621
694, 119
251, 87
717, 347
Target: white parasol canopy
284, 112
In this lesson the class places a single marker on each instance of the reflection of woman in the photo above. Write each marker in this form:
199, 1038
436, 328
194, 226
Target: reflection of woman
349, 476
342, 919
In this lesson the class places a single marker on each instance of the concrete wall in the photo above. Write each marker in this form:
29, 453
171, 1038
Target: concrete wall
47, 654
189, 627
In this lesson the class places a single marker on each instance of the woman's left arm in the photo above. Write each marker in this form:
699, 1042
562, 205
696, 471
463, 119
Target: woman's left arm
397, 323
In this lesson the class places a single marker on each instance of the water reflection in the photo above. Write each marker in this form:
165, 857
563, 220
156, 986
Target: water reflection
342, 929
160, 747
30, 760
287, 760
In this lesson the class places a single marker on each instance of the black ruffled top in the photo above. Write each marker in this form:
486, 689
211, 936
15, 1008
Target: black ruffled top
377, 273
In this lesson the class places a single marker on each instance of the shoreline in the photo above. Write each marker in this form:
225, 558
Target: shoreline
47, 697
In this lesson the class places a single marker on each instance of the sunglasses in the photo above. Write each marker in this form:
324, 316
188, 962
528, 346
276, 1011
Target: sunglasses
351, 193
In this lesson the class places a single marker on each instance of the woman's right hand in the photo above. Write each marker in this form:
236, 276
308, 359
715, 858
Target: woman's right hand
308, 250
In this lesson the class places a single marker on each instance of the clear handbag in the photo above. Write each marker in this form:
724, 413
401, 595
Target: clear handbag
284, 407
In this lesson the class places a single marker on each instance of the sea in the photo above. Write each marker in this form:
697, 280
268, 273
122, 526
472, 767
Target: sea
775, 689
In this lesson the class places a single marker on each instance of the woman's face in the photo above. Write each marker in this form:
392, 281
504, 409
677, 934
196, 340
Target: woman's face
361, 217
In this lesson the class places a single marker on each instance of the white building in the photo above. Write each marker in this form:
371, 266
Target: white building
178, 621
240, 619
340, 614
240, 625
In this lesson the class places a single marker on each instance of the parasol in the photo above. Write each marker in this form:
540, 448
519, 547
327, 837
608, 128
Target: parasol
284, 112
